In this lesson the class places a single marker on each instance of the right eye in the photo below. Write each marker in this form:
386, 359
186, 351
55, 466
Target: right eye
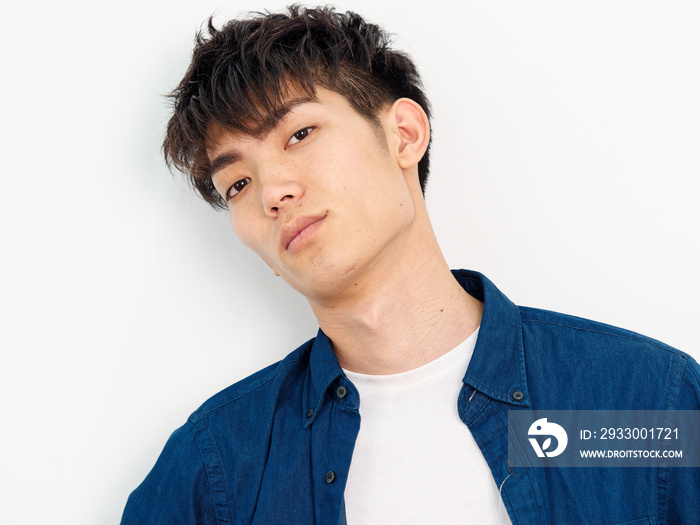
237, 187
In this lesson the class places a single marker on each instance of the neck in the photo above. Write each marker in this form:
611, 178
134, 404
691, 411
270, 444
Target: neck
401, 315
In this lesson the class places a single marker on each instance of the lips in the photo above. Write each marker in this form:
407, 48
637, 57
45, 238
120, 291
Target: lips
297, 227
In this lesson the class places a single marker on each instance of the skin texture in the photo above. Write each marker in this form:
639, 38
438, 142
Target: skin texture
333, 205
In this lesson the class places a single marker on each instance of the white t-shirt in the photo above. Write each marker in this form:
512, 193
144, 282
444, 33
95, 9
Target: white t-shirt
415, 461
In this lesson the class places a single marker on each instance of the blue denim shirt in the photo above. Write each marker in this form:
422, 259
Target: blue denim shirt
276, 447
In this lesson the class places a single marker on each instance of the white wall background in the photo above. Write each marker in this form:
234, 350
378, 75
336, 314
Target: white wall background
565, 167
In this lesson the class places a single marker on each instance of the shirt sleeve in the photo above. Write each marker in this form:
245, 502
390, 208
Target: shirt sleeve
683, 483
177, 490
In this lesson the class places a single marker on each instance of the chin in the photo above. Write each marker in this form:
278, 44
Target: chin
325, 280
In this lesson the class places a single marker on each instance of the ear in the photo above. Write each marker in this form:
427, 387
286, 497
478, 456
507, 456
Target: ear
411, 123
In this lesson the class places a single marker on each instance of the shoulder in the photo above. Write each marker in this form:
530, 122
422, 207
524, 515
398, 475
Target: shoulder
229, 432
605, 366
260, 385
546, 321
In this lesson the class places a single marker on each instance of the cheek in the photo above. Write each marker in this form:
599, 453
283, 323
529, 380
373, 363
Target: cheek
357, 169
247, 229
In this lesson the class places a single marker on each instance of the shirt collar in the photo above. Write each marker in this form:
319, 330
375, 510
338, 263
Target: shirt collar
496, 368
324, 370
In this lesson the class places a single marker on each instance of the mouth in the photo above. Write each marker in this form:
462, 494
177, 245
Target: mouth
296, 231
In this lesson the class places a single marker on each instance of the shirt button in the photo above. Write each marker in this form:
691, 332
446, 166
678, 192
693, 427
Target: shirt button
310, 413
330, 476
517, 396
341, 392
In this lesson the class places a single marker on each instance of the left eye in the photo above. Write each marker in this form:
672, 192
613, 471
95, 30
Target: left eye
299, 136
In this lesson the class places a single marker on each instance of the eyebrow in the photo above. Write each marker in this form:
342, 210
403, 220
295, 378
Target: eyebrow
223, 160
270, 122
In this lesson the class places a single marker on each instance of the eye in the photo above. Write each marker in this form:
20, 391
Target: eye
299, 136
237, 187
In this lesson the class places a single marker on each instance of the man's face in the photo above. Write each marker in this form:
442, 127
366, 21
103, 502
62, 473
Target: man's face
321, 198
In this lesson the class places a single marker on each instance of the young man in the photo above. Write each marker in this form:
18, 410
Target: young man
314, 134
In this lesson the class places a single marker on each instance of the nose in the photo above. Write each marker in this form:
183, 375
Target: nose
280, 193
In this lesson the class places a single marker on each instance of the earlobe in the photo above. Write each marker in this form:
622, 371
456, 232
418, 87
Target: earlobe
413, 130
